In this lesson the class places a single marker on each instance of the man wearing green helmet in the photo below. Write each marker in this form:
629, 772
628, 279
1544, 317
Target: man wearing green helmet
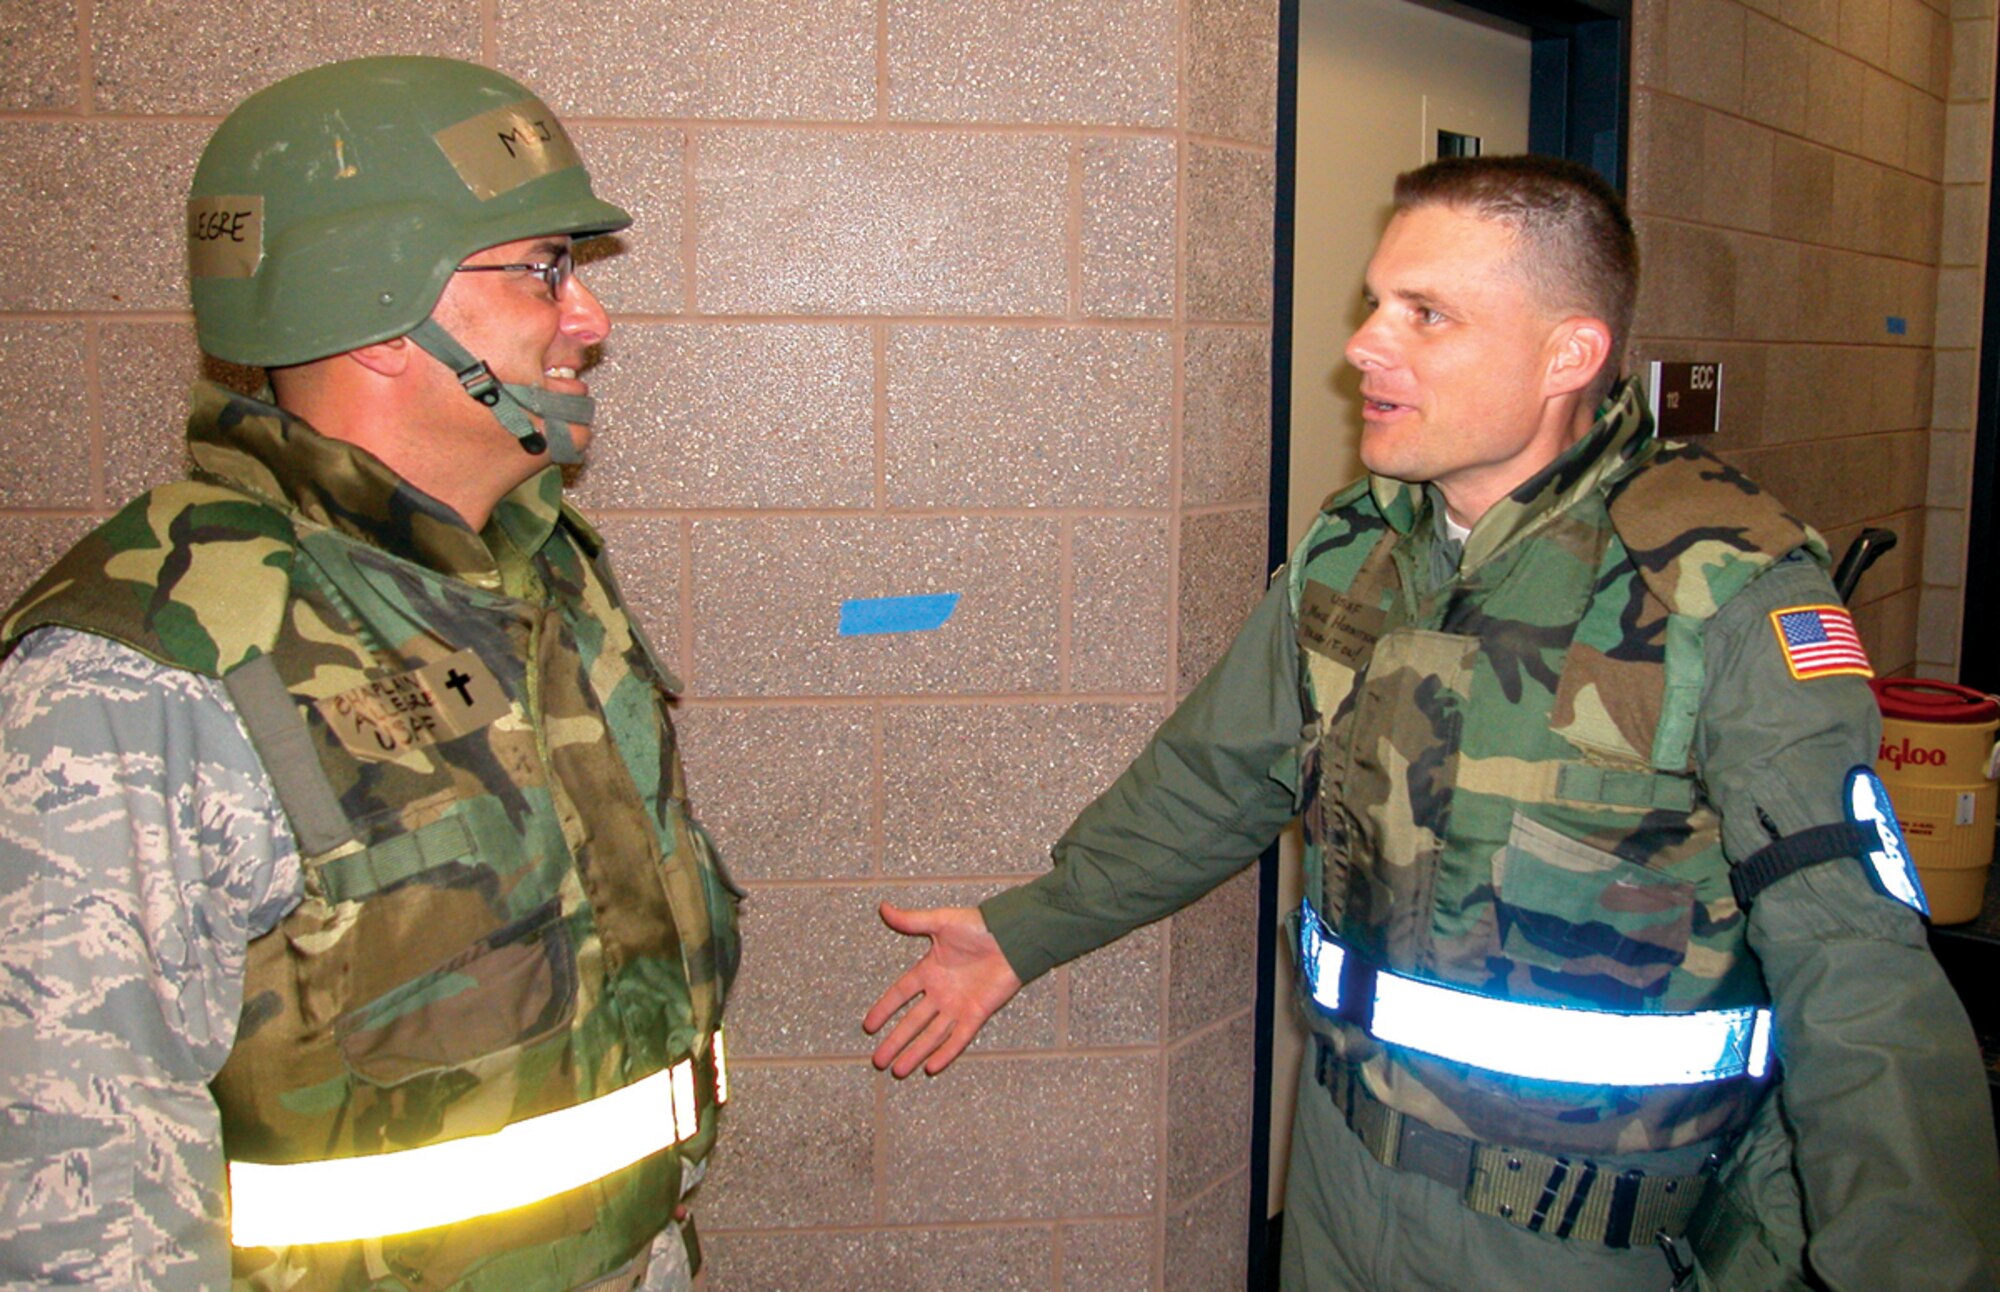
354, 931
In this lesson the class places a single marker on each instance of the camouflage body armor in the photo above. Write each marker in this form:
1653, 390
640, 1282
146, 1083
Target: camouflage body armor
1500, 792
508, 912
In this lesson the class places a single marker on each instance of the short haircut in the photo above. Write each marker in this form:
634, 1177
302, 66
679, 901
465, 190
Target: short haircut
1576, 246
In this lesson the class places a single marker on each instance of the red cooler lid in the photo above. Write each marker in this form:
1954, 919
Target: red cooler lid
1916, 700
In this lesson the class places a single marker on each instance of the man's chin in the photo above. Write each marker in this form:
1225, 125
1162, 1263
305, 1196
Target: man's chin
1379, 455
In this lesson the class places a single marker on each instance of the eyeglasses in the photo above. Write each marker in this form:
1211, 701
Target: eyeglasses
556, 273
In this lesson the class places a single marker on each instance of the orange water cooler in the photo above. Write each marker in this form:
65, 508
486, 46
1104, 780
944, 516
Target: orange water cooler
1938, 760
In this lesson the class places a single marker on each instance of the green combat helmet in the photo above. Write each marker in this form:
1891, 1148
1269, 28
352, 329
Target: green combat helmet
329, 211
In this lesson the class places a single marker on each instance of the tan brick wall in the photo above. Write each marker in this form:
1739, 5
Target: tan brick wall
1799, 171
925, 295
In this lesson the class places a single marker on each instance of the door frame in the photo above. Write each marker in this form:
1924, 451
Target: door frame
1980, 587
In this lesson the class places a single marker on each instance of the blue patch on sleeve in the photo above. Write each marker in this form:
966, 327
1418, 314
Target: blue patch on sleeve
868, 616
1889, 865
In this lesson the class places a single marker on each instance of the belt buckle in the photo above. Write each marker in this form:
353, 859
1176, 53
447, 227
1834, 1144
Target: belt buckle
1435, 1154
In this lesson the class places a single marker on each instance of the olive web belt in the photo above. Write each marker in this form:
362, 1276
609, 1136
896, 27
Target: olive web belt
348, 1198
1544, 1193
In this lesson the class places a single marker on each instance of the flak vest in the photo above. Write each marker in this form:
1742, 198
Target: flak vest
1499, 787
514, 940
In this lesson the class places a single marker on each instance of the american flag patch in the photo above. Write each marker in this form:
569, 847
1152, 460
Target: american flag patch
1820, 641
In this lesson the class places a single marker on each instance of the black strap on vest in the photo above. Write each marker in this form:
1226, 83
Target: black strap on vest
1357, 990
1782, 856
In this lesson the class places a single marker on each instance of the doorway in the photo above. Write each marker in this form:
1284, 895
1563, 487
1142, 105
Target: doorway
1379, 83
1368, 89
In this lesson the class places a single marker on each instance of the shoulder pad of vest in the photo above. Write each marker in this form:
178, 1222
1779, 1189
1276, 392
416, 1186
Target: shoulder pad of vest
1349, 525
1347, 495
195, 575
1699, 530
1341, 510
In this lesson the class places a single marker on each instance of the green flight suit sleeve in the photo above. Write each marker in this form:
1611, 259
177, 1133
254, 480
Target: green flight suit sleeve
1881, 1081
1202, 800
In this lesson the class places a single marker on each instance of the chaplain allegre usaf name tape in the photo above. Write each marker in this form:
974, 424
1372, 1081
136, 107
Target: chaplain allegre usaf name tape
387, 717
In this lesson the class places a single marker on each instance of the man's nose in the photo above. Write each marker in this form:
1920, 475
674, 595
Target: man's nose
583, 316
1368, 348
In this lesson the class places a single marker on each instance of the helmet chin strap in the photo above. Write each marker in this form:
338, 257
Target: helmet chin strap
511, 402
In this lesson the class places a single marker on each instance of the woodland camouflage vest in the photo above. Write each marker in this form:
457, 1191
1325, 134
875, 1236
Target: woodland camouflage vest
1501, 795
508, 911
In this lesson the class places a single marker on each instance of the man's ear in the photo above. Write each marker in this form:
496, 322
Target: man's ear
1580, 348
389, 358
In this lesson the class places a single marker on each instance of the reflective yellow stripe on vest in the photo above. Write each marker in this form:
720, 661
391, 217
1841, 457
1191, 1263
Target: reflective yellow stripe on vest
1526, 1038
342, 1199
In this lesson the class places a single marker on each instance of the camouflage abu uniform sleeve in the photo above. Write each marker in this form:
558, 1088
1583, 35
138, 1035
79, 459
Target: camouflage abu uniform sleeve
1205, 797
140, 848
1882, 1083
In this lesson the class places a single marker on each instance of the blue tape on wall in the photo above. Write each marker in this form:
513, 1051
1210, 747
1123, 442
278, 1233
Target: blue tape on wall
869, 615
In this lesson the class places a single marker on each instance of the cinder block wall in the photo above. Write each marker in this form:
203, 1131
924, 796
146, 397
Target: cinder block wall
925, 296
1799, 171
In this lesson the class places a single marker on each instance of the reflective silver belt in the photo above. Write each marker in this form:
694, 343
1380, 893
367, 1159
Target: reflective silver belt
1541, 1042
341, 1199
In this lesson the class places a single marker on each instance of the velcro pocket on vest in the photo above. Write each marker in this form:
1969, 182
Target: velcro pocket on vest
356, 875
1613, 930
1616, 787
510, 989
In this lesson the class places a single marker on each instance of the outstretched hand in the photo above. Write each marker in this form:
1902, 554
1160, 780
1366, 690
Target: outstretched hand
962, 981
